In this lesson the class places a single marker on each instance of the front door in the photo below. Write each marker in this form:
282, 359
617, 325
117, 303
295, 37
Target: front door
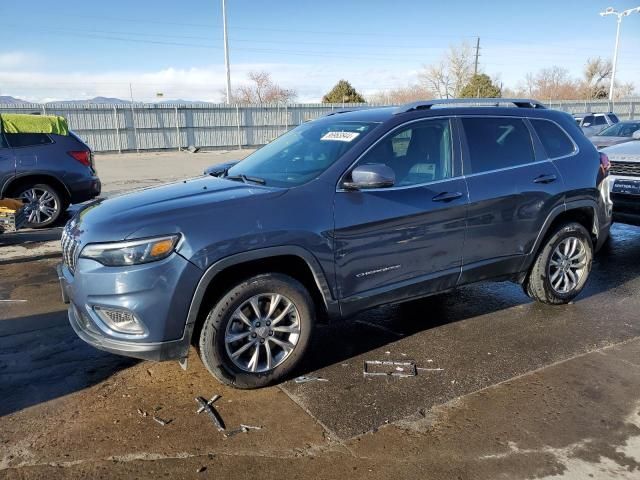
406, 240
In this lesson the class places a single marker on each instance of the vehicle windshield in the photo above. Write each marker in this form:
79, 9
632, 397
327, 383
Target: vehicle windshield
625, 129
302, 154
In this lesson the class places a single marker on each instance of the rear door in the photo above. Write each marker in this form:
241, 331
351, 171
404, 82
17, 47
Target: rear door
7, 163
27, 147
403, 241
512, 189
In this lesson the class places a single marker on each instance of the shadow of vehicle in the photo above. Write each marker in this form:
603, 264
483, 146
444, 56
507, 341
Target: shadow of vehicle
41, 359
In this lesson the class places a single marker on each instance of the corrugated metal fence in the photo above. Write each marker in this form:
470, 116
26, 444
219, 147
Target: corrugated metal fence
126, 127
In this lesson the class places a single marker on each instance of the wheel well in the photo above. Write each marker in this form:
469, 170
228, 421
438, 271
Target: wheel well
291, 265
19, 182
583, 215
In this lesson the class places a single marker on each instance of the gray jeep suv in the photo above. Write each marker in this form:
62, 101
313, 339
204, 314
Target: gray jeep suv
345, 213
48, 171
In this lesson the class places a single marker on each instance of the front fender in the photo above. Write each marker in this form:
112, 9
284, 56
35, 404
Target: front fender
218, 267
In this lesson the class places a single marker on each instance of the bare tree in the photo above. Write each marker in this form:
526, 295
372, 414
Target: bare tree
262, 89
554, 83
460, 63
596, 78
447, 78
624, 90
437, 79
400, 95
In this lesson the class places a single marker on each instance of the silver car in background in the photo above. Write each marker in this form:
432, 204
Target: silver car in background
624, 180
619, 133
593, 123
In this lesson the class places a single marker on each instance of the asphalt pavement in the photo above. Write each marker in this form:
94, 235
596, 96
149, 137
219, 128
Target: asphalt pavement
503, 387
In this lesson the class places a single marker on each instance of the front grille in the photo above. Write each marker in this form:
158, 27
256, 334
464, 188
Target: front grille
69, 250
631, 169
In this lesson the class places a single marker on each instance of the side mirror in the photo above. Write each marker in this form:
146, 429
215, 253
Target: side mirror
636, 135
219, 169
370, 175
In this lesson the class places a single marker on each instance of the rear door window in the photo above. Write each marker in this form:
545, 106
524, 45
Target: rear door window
554, 140
17, 140
496, 143
599, 120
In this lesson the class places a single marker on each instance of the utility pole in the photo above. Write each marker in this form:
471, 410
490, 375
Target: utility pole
475, 68
620, 15
226, 50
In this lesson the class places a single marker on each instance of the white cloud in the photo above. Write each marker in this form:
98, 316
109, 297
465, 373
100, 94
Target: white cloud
311, 81
18, 60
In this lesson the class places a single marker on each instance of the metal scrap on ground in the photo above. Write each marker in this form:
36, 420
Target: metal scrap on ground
389, 368
305, 379
211, 412
162, 421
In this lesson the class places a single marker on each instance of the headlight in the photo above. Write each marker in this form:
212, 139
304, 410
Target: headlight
133, 252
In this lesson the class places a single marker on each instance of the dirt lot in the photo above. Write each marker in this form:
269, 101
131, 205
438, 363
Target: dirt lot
506, 388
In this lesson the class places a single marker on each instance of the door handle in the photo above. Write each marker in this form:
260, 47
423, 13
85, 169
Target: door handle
545, 179
447, 196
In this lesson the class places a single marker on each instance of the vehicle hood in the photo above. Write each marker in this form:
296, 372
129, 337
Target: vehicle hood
624, 152
165, 209
607, 141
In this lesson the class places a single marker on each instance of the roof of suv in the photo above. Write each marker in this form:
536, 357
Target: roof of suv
488, 105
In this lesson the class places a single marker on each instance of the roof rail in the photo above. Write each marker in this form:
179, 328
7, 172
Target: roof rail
336, 112
452, 102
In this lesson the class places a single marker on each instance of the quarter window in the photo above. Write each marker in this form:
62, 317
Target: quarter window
419, 153
554, 140
496, 143
27, 139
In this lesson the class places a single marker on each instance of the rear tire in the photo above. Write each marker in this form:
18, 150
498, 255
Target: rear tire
49, 204
272, 314
561, 268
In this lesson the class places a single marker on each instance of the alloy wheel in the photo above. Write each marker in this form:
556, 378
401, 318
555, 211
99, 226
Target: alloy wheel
262, 332
568, 265
43, 206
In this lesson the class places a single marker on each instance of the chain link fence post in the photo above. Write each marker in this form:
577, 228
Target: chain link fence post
238, 122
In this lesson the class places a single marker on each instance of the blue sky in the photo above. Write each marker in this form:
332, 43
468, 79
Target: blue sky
81, 48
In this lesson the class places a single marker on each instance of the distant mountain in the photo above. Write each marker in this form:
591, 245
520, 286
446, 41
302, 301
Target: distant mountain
95, 100
11, 100
180, 101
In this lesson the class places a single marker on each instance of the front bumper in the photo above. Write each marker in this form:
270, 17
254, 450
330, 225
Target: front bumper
158, 293
157, 351
626, 208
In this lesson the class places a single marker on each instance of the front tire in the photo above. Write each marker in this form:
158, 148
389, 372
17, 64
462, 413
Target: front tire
561, 268
257, 333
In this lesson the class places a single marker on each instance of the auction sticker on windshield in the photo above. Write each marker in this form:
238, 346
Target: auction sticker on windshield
340, 136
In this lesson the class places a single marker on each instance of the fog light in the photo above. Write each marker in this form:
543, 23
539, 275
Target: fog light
121, 321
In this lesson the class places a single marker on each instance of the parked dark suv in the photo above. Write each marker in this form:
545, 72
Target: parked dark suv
345, 213
49, 171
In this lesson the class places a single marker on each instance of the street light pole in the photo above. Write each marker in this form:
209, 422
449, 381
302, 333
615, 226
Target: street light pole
625, 13
226, 51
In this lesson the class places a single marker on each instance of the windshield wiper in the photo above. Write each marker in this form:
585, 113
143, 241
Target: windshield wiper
246, 179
